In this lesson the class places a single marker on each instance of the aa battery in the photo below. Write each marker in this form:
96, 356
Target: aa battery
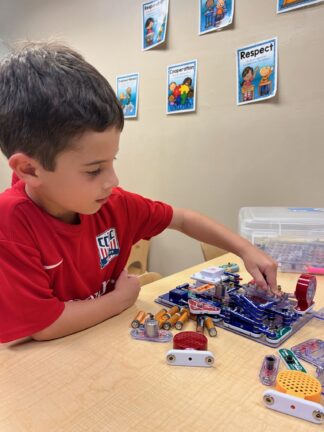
162, 320
200, 324
171, 321
182, 319
148, 315
138, 319
173, 310
160, 313
210, 327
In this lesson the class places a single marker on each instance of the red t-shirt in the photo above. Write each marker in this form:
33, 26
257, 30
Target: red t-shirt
45, 262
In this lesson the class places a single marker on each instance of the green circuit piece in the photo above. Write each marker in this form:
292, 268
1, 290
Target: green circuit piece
290, 360
230, 267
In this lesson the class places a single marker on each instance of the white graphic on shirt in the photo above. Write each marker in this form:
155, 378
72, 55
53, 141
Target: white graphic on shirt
108, 246
49, 267
102, 291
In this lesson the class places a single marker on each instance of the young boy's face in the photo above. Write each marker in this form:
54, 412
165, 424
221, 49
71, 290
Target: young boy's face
83, 178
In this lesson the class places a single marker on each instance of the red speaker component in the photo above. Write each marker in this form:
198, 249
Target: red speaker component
190, 339
305, 291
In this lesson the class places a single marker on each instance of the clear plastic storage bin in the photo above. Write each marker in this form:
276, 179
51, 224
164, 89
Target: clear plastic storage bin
293, 236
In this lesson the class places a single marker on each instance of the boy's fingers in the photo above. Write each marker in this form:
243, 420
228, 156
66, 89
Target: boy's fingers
272, 282
131, 276
259, 278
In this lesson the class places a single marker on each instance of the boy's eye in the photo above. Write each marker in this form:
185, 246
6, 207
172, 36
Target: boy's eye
94, 173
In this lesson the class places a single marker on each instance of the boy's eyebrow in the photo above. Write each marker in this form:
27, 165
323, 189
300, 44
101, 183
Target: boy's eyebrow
95, 162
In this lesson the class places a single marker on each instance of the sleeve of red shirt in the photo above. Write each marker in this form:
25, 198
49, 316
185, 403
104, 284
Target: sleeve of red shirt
26, 301
147, 218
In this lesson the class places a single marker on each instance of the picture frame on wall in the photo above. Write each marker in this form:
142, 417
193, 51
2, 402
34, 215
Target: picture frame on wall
127, 93
256, 71
288, 5
215, 15
181, 87
154, 23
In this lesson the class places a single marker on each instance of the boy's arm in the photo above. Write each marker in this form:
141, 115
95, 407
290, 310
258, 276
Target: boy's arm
82, 314
262, 267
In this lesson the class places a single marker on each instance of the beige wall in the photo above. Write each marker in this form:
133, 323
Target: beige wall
223, 157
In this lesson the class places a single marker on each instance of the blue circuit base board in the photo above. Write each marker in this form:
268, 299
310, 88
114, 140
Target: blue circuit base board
242, 309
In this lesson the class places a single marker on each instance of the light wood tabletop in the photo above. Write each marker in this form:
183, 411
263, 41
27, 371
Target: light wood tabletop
103, 380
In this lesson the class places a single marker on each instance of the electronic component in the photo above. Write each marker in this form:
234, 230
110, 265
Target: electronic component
297, 394
244, 308
150, 331
198, 306
290, 360
269, 369
312, 351
190, 357
305, 292
210, 275
320, 377
230, 267
190, 349
190, 339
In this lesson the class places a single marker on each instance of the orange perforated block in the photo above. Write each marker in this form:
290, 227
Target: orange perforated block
299, 384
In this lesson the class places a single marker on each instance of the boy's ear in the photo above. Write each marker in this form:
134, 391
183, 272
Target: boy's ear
26, 168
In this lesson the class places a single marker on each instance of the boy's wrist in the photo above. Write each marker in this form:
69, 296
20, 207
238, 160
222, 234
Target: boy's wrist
120, 302
243, 248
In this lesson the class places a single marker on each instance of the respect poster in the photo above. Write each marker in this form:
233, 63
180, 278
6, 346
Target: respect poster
181, 87
127, 93
215, 14
154, 23
288, 5
256, 67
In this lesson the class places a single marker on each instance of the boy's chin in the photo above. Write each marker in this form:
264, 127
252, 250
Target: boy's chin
89, 212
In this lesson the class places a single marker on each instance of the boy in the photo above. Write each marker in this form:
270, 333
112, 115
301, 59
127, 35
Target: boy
66, 229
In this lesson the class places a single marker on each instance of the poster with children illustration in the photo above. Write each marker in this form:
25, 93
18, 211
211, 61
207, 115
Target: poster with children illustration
215, 14
181, 91
256, 72
288, 5
154, 23
127, 93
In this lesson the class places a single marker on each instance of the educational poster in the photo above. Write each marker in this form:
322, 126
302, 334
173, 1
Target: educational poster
154, 23
288, 5
181, 91
127, 93
215, 14
256, 67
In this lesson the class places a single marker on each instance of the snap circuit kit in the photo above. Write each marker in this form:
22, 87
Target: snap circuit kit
245, 309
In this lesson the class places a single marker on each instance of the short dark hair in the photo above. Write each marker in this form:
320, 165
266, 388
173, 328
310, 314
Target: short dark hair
49, 94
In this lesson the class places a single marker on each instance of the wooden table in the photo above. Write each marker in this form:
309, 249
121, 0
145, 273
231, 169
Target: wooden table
103, 380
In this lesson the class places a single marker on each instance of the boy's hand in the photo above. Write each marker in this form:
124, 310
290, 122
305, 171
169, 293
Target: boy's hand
127, 287
263, 269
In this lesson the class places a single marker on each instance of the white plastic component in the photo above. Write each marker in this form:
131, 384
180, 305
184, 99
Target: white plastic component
190, 357
212, 272
209, 275
294, 406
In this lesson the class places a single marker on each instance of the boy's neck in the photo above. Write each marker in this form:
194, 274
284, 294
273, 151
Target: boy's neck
51, 208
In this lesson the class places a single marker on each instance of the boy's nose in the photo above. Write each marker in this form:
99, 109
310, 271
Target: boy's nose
111, 182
